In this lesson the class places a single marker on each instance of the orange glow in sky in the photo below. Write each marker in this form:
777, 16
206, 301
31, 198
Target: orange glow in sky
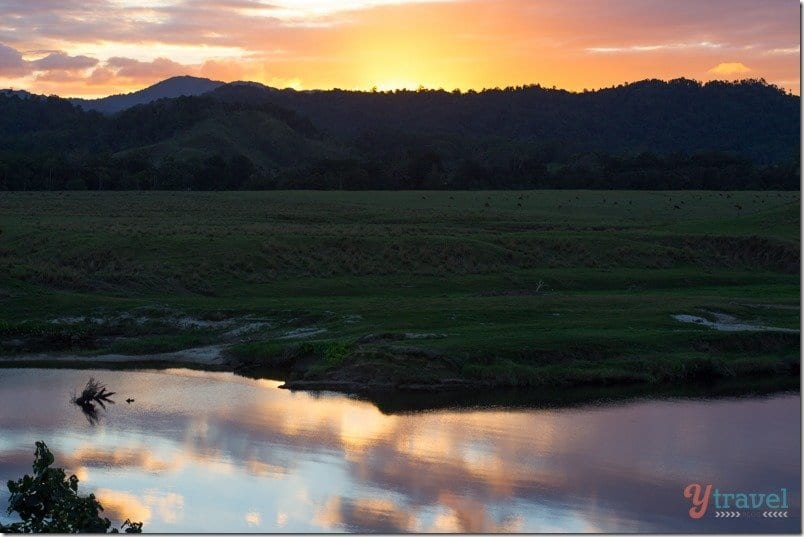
99, 47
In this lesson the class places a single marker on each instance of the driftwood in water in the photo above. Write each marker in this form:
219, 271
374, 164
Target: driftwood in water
94, 392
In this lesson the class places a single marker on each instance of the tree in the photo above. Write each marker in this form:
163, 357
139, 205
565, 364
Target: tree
48, 502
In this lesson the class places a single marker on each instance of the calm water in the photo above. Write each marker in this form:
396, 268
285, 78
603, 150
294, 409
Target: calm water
216, 452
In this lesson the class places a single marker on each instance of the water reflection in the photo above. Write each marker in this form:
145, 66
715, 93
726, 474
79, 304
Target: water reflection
215, 452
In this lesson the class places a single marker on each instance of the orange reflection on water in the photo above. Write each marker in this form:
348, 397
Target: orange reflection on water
123, 505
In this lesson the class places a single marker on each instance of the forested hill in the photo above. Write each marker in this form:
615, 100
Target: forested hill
751, 118
647, 135
171, 87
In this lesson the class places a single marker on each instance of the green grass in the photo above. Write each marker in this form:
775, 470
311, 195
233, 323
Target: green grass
155, 344
537, 287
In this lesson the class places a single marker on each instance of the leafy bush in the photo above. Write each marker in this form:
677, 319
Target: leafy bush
48, 502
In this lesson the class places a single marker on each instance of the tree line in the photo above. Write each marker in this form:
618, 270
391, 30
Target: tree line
648, 135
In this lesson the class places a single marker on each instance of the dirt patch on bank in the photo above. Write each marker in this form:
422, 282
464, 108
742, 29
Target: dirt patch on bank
728, 323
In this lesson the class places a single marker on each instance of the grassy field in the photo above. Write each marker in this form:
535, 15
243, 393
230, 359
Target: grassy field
504, 288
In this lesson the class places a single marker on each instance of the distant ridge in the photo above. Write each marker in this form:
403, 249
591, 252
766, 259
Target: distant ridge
650, 134
170, 88
22, 94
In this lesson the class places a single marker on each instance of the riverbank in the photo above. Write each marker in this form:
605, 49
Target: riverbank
380, 365
436, 394
430, 291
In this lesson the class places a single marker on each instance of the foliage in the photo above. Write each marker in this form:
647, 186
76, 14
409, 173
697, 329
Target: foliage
650, 135
48, 502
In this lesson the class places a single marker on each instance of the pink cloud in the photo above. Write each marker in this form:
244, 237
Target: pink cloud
60, 61
144, 70
11, 62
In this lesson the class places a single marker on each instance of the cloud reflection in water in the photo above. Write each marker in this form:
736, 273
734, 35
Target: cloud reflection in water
212, 451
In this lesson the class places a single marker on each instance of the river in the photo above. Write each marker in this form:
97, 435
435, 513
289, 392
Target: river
198, 451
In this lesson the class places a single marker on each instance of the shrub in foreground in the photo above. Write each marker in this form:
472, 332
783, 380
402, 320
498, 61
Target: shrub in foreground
48, 502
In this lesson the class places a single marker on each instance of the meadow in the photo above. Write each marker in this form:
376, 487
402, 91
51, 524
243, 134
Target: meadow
410, 289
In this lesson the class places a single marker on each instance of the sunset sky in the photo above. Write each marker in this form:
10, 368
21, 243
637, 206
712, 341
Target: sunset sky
100, 47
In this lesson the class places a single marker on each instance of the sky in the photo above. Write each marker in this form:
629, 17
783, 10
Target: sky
99, 47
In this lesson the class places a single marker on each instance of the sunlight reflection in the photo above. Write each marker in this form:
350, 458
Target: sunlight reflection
124, 505
253, 519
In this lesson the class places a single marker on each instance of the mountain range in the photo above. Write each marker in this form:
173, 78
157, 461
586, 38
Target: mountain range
188, 132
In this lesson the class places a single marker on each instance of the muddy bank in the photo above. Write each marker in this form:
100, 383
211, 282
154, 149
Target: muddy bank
208, 357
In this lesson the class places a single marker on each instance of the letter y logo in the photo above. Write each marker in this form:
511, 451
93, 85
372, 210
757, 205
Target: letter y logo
699, 497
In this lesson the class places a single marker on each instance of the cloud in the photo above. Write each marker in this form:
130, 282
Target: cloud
156, 69
60, 77
732, 68
55, 66
320, 12
785, 50
64, 62
100, 76
11, 62
655, 48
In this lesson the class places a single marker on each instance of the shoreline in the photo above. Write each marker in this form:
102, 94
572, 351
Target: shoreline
292, 373
462, 394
